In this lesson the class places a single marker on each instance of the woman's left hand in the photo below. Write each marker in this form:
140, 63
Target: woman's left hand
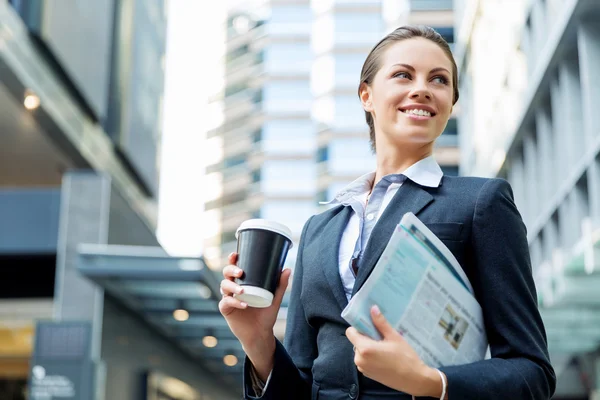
392, 361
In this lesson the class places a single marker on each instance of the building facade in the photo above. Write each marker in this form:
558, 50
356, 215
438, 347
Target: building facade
267, 138
528, 101
80, 126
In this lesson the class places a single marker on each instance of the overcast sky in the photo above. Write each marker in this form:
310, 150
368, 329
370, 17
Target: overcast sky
194, 41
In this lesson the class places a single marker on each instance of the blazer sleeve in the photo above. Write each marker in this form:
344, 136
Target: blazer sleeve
291, 377
503, 283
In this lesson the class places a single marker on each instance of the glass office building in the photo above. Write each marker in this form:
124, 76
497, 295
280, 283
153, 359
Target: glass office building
293, 131
528, 114
80, 124
267, 137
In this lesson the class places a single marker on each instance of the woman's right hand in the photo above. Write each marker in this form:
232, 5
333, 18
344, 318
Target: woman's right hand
252, 326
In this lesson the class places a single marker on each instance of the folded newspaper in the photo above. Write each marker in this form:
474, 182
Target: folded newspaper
424, 293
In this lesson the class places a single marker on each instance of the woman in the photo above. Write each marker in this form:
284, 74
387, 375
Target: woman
408, 88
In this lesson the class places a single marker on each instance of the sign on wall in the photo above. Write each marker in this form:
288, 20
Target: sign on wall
61, 365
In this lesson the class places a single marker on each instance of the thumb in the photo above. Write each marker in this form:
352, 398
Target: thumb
382, 325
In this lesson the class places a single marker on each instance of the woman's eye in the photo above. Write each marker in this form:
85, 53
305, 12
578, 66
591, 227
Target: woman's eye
403, 75
441, 79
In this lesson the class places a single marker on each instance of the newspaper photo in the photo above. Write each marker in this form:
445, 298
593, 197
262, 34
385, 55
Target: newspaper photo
423, 292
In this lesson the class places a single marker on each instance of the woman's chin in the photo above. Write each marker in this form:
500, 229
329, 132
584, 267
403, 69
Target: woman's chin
414, 136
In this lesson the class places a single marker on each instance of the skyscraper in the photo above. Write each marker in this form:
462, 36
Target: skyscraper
529, 99
267, 136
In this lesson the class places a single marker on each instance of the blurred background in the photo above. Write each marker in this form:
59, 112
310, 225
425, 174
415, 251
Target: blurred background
136, 135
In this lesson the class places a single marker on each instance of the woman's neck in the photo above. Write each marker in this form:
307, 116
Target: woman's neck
397, 161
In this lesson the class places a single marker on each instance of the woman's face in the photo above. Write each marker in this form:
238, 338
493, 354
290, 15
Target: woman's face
410, 97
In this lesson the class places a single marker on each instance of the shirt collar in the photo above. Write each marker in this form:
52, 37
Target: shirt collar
425, 172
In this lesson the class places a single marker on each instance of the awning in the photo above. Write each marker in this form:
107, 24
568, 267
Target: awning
177, 296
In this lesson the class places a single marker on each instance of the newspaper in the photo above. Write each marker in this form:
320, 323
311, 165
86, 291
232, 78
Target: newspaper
424, 293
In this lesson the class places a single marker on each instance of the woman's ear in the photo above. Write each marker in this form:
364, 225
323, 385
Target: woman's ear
365, 97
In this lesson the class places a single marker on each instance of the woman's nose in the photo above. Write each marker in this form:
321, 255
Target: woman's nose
420, 91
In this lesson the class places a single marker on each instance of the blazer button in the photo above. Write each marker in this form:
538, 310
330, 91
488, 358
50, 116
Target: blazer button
353, 391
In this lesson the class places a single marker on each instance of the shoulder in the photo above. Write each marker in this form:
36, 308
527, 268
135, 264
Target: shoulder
473, 182
477, 188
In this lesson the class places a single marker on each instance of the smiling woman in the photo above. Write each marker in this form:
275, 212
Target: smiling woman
408, 88
417, 77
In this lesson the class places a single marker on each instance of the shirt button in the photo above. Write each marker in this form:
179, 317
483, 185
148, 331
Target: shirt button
370, 216
353, 391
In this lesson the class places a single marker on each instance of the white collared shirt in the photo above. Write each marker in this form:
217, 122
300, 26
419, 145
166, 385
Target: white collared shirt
426, 172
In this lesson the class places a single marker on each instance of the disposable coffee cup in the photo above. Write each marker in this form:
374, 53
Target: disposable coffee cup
262, 248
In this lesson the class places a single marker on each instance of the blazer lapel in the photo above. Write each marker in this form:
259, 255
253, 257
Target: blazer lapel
409, 198
329, 250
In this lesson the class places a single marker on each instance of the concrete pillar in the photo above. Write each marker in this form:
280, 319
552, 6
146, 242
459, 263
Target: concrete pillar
588, 44
539, 27
558, 133
516, 179
565, 225
532, 172
545, 156
551, 238
594, 190
84, 218
572, 114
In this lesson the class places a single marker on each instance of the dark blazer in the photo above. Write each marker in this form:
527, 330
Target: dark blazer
477, 220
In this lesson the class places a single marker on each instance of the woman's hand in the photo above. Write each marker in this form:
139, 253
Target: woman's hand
392, 361
252, 326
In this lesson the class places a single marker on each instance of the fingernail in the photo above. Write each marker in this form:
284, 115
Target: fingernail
239, 290
238, 271
231, 254
244, 304
376, 310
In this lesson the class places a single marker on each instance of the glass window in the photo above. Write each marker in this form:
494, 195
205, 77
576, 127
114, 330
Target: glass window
450, 170
451, 128
349, 113
236, 53
431, 5
322, 154
288, 58
347, 69
358, 29
289, 177
290, 20
447, 33
287, 96
292, 213
351, 156
289, 136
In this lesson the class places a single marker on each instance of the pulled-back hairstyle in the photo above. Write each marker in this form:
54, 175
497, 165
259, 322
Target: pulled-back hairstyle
373, 62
